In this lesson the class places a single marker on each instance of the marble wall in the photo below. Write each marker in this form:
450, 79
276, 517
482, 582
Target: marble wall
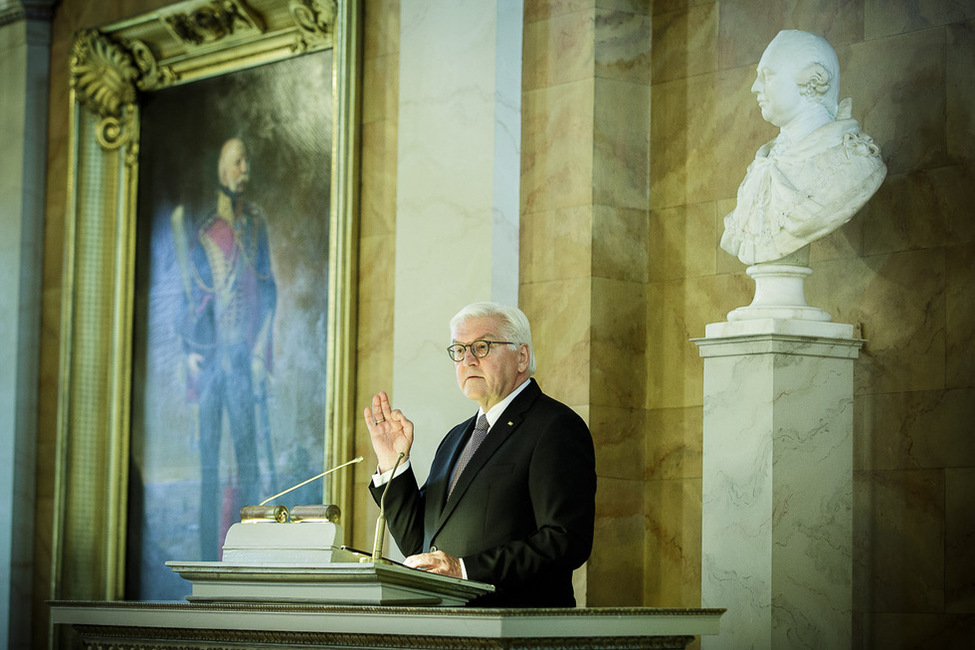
585, 186
636, 130
901, 271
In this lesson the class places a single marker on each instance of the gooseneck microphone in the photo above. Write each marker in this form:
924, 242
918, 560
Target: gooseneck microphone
358, 459
377, 547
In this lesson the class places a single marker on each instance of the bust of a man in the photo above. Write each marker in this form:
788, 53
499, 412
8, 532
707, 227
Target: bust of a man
820, 169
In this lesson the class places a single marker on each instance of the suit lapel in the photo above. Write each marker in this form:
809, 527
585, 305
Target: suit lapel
510, 420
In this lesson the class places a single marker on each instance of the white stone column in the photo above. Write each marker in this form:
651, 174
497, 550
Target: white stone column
777, 528
459, 131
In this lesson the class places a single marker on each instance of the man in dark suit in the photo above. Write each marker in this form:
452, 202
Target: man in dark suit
513, 506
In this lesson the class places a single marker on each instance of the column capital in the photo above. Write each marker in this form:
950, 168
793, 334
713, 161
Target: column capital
779, 336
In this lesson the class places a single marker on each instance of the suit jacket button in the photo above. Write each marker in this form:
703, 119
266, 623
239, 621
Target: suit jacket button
434, 549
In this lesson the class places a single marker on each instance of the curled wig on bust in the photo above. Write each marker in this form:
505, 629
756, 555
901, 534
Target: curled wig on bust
513, 327
819, 69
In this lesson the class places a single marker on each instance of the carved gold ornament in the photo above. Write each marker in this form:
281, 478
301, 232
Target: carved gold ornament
315, 20
102, 74
216, 21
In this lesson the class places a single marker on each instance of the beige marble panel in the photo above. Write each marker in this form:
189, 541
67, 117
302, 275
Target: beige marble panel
377, 237
725, 262
913, 630
622, 44
885, 18
556, 244
960, 540
684, 41
898, 90
629, 6
898, 541
960, 86
900, 216
843, 243
557, 158
672, 555
960, 317
677, 312
619, 243
915, 430
618, 343
619, 434
616, 565
704, 134
837, 22
899, 300
711, 153
621, 144
559, 312
558, 49
380, 27
377, 269
674, 443
380, 88
957, 193
377, 173
374, 341
684, 242
748, 27
671, 6
738, 132
668, 148
536, 10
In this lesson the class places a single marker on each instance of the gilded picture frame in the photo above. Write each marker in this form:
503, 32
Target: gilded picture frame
115, 70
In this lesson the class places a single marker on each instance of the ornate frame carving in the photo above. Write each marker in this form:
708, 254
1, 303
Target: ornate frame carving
110, 67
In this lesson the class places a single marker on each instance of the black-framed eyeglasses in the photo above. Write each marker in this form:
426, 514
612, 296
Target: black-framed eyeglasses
479, 348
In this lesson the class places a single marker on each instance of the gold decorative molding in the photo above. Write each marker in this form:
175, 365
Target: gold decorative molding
112, 67
217, 20
315, 20
153, 76
103, 77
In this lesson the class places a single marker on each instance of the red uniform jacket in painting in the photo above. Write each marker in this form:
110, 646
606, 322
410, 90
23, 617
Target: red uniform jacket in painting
522, 514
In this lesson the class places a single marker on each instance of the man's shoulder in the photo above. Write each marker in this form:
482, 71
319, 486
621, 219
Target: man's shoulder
534, 401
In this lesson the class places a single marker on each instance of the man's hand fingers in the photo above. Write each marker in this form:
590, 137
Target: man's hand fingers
438, 562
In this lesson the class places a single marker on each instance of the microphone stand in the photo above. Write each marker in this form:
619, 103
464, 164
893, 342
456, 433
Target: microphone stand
377, 548
358, 459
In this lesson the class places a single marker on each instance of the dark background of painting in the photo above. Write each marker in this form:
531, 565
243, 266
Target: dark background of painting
283, 112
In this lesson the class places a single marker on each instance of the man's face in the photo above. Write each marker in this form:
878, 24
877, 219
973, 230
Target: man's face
487, 381
775, 86
233, 166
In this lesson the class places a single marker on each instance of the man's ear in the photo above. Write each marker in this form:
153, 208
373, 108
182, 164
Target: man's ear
524, 357
814, 81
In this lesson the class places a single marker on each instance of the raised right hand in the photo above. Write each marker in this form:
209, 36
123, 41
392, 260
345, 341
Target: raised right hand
390, 431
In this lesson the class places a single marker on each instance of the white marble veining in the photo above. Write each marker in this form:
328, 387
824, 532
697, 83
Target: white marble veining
777, 483
457, 194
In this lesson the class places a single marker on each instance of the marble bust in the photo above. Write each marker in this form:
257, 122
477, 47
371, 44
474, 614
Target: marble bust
820, 169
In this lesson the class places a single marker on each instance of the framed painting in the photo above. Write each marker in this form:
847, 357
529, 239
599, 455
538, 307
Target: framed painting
209, 283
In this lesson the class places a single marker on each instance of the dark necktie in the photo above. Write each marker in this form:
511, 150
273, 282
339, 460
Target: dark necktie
480, 432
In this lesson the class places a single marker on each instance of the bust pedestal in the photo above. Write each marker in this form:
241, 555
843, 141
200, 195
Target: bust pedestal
777, 481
